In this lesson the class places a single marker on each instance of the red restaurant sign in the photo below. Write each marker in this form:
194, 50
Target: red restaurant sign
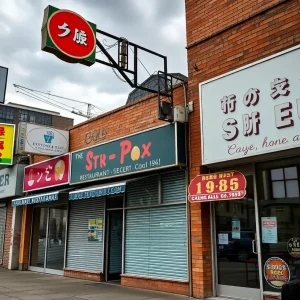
69, 36
218, 186
49, 173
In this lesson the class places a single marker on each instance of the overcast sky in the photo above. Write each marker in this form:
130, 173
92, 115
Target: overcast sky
156, 24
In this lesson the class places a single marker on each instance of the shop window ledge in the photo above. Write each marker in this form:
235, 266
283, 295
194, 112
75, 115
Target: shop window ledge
154, 278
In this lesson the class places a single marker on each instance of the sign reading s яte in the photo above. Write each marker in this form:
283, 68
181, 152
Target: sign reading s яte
7, 140
37, 139
145, 151
49, 173
228, 185
253, 110
69, 36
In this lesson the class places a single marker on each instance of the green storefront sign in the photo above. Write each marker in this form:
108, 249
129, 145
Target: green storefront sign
157, 148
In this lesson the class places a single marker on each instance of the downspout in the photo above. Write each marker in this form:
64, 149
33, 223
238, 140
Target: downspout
188, 214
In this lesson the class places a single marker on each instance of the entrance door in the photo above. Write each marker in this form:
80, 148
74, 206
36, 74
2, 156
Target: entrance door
236, 247
115, 222
48, 239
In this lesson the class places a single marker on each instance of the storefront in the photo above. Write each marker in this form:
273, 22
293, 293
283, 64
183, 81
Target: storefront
47, 182
119, 214
135, 228
250, 123
11, 181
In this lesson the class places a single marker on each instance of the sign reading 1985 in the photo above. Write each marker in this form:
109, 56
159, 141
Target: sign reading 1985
218, 186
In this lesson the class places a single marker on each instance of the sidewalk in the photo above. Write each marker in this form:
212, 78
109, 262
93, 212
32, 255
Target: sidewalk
16, 285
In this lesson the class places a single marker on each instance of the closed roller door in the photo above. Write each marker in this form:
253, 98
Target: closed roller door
173, 187
2, 231
137, 241
81, 253
156, 242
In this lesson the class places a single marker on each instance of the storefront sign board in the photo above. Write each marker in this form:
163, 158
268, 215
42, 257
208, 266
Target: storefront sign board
269, 230
228, 185
11, 181
157, 148
46, 174
69, 36
251, 111
276, 272
42, 140
7, 140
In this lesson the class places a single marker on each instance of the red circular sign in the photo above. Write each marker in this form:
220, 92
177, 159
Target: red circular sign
71, 34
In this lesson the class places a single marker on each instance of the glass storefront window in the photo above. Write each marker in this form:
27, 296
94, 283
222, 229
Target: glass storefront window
279, 205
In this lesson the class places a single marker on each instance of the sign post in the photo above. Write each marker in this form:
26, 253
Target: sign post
228, 185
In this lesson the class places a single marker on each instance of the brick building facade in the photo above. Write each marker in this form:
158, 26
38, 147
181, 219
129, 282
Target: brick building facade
221, 37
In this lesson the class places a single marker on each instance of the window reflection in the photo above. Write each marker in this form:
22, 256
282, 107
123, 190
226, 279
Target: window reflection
279, 201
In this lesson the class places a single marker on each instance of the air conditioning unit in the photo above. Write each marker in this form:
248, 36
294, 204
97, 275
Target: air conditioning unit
180, 114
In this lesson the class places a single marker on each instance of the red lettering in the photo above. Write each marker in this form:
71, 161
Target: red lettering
95, 158
146, 150
102, 160
125, 149
89, 164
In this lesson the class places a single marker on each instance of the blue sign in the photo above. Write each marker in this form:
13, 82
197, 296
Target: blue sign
35, 199
95, 193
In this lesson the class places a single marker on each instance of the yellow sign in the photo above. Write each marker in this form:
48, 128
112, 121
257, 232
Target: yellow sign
7, 139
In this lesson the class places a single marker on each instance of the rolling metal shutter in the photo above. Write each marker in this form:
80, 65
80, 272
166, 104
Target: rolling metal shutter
156, 242
173, 187
142, 192
81, 253
2, 231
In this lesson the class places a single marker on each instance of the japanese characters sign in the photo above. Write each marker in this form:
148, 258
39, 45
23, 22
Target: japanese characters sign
69, 36
7, 138
252, 111
49, 173
42, 140
228, 185
145, 151
276, 272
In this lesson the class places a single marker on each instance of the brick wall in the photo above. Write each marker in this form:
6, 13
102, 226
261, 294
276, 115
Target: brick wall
157, 285
270, 298
60, 122
123, 121
84, 275
256, 35
7, 236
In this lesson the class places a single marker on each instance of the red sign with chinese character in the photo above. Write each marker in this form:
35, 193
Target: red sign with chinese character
228, 185
49, 173
69, 36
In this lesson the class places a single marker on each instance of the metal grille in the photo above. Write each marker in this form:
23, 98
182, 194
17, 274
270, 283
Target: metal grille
2, 231
81, 253
173, 187
156, 242
142, 192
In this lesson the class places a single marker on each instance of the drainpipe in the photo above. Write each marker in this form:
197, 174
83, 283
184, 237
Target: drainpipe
188, 214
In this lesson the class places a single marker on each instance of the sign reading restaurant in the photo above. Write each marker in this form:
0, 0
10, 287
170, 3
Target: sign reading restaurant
253, 110
160, 147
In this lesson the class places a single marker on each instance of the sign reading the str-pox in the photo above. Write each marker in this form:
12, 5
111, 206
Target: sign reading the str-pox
228, 185
69, 36
7, 138
49, 173
253, 110
145, 151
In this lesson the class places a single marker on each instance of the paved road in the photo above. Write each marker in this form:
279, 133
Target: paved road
16, 285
